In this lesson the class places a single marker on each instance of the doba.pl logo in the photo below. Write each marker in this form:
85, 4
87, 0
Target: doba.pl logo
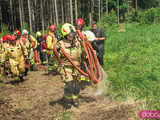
149, 114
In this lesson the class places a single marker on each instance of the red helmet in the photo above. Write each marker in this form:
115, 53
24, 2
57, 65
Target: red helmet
17, 32
12, 38
45, 36
5, 38
52, 28
80, 21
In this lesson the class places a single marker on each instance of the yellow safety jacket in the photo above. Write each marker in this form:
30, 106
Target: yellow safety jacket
50, 40
14, 52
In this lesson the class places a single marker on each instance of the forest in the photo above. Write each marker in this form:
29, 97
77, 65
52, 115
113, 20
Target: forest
39, 14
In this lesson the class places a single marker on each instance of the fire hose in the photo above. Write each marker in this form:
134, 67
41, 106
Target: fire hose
93, 72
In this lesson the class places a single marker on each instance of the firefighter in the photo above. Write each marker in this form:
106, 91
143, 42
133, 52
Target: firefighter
31, 44
5, 70
79, 26
41, 51
15, 52
50, 40
17, 33
72, 46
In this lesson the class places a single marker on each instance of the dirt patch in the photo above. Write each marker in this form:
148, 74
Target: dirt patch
39, 98
106, 110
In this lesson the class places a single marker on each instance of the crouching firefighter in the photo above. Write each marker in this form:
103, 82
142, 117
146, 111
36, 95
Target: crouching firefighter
16, 53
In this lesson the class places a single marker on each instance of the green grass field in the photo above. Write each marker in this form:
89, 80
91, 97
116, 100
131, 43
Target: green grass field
132, 61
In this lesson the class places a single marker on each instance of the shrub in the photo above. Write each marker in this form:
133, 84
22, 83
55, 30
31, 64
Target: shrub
108, 19
25, 26
150, 16
131, 16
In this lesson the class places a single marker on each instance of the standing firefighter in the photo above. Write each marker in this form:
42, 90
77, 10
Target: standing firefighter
16, 53
73, 50
72, 47
31, 44
50, 41
42, 53
5, 69
17, 34
79, 26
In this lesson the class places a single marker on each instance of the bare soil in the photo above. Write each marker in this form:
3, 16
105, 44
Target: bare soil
39, 98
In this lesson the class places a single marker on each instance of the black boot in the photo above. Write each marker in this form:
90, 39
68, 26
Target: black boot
67, 103
75, 103
26, 72
21, 78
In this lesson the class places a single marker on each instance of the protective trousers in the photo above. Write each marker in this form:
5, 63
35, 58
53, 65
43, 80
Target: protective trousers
52, 63
72, 83
43, 56
17, 67
100, 54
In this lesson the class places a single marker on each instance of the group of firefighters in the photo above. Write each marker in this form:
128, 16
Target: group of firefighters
21, 52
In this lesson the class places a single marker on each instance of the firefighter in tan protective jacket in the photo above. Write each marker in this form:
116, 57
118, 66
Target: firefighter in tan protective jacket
72, 78
16, 53
50, 41
31, 44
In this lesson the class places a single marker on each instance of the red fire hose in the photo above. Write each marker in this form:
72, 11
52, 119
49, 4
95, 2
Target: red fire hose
94, 72
93, 57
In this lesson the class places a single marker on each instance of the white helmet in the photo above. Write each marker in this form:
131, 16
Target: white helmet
24, 32
90, 35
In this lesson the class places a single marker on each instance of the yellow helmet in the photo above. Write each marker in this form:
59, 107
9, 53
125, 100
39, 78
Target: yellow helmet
38, 34
67, 29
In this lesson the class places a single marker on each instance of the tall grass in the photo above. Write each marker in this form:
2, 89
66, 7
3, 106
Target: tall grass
132, 61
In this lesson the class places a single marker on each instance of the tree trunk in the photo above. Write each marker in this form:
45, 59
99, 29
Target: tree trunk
33, 15
20, 13
55, 3
30, 16
51, 9
76, 10
101, 5
11, 12
0, 18
71, 11
118, 11
42, 15
62, 8
91, 11
107, 6
99, 10
22, 8
136, 4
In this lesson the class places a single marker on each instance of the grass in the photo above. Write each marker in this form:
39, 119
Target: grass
64, 116
132, 61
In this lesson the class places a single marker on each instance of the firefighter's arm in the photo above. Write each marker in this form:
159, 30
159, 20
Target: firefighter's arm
3, 57
24, 49
33, 42
49, 42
